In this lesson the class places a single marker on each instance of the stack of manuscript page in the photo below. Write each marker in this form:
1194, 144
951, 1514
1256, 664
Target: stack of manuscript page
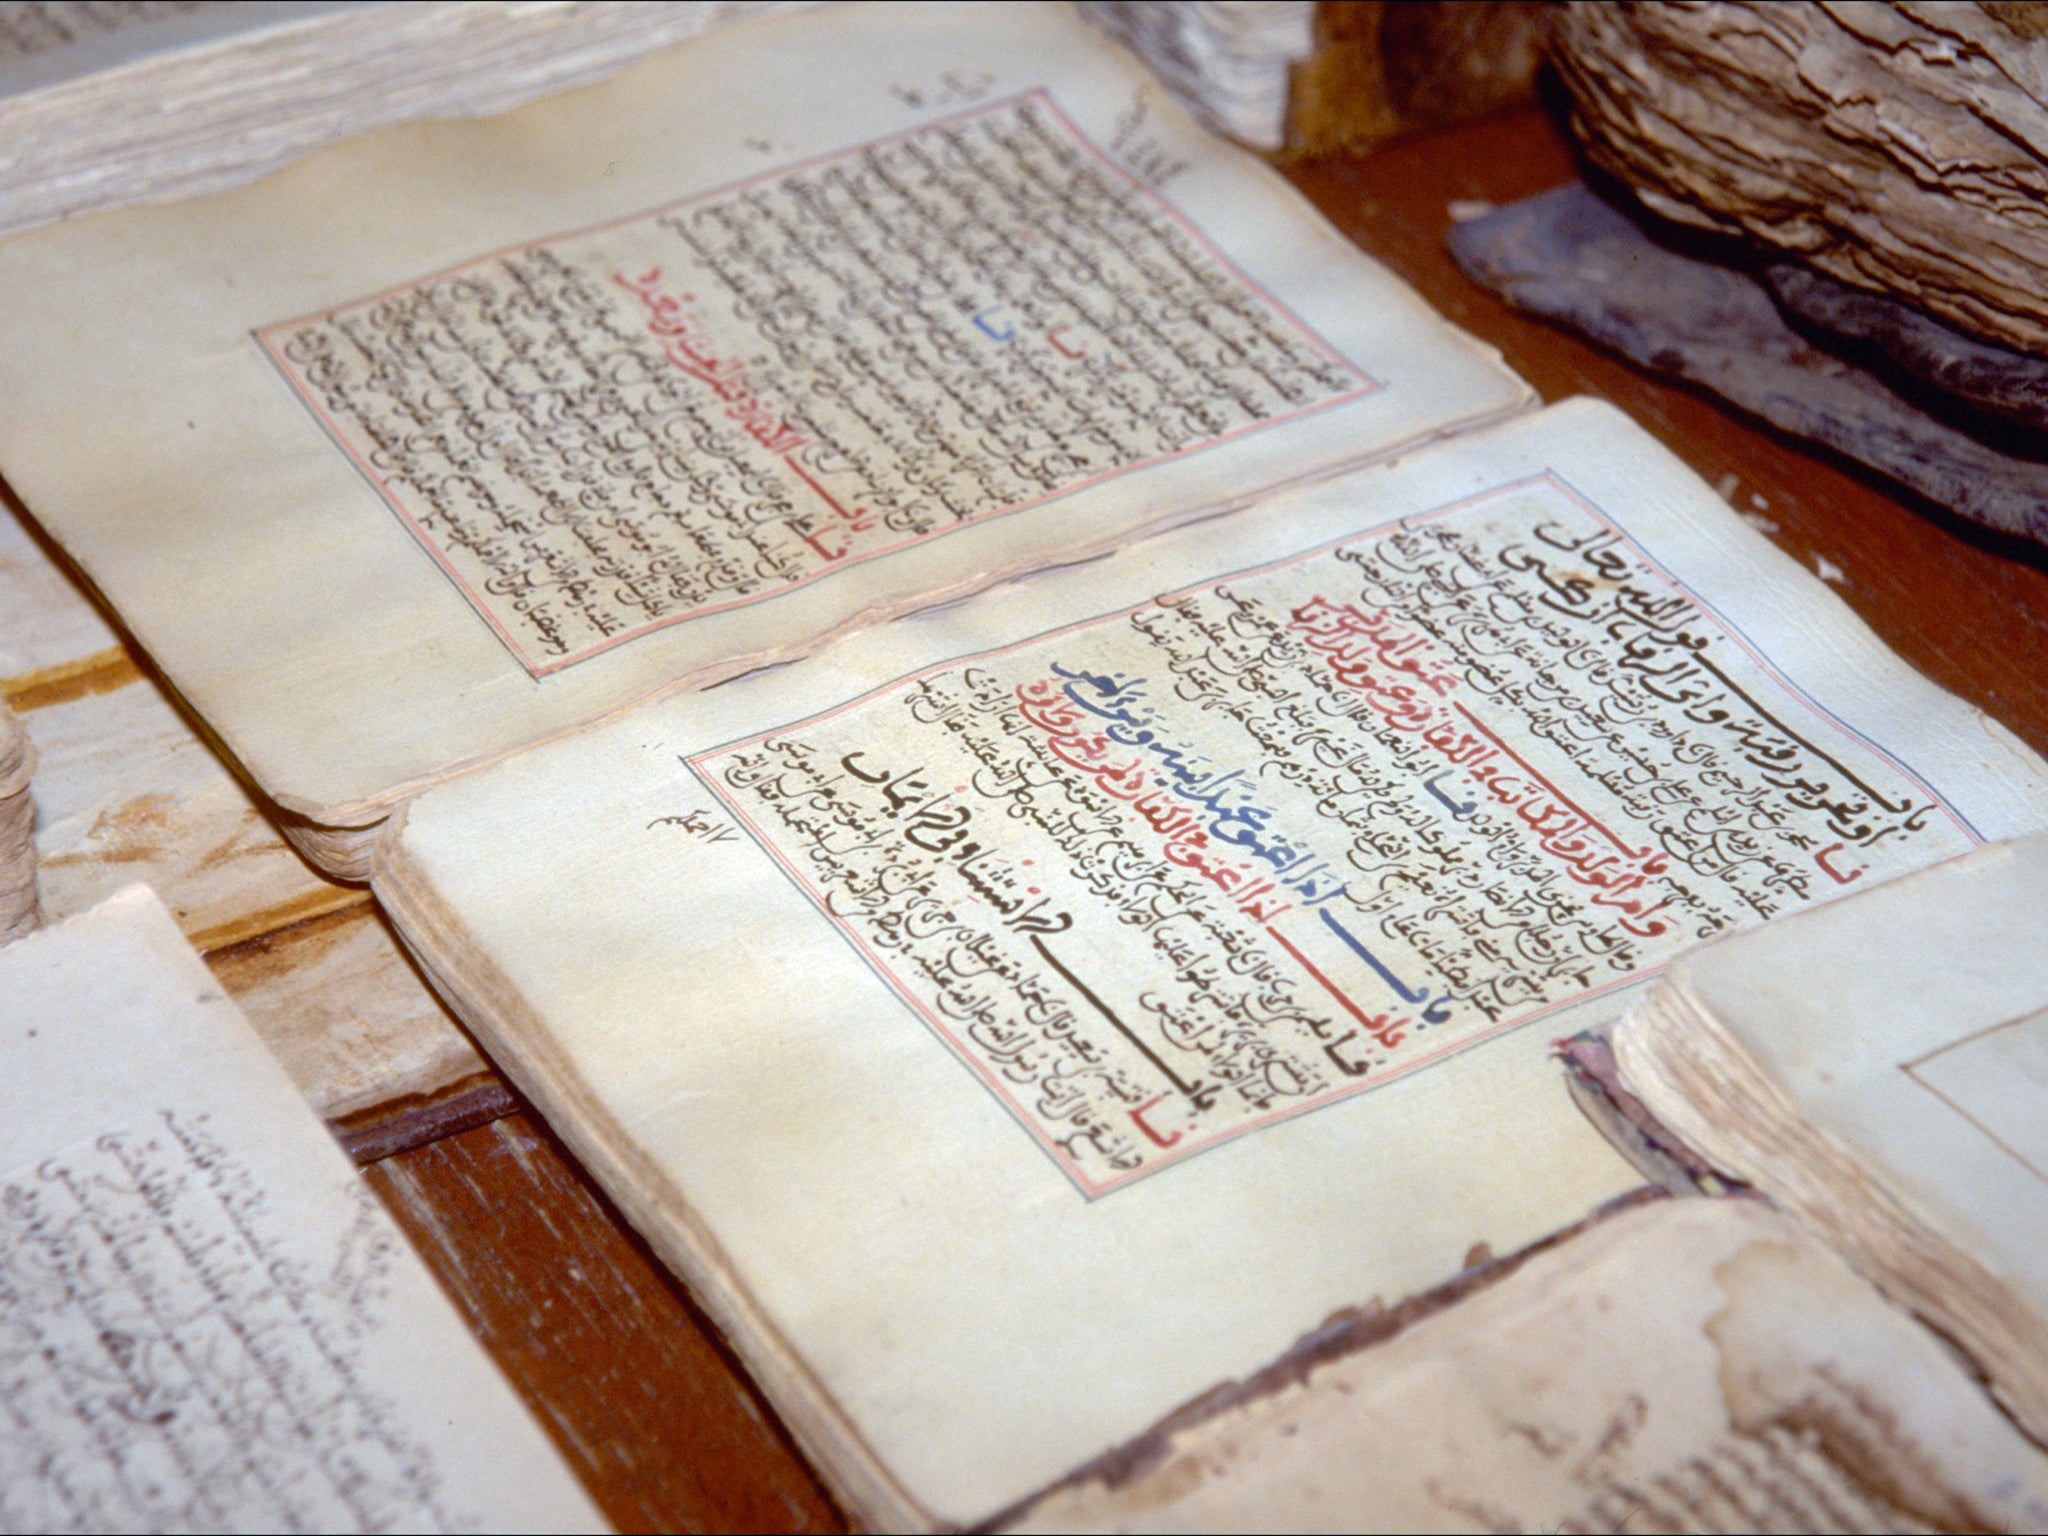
1229, 63
462, 435
113, 101
125, 790
1881, 1067
19, 904
207, 1322
1054, 1005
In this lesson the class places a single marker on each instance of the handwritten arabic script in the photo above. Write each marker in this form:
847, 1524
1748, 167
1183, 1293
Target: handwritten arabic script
615, 430
1175, 874
165, 1366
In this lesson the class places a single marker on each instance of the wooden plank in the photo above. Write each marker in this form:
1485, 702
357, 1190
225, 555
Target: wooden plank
627, 1375
125, 791
341, 1006
1964, 605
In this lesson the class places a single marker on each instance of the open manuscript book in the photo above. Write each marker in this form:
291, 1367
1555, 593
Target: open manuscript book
1132, 926
1020, 1019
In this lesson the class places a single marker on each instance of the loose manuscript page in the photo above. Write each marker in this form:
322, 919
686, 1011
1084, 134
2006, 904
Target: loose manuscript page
473, 432
1912, 1025
1020, 1018
1691, 1366
207, 1322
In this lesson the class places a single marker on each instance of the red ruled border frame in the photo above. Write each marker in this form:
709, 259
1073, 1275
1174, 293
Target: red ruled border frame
699, 764
265, 338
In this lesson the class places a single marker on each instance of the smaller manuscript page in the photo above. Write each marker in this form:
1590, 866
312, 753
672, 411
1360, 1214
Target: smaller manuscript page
166, 1365
699, 407
1169, 875
207, 1321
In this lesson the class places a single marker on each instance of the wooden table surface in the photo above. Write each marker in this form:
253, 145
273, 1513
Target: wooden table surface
636, 1386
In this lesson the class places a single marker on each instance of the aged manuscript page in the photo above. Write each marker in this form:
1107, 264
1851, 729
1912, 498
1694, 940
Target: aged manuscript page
464, 434
1018, 1019
1693, 1365
207, 1321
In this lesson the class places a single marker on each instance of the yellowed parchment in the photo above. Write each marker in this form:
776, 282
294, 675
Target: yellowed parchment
460, 435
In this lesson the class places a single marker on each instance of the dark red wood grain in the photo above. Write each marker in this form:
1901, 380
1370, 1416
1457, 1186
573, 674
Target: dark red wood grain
630, 1379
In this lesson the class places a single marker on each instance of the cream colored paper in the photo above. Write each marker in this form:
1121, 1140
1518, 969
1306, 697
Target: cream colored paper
208, 1321
1693, 1366
213, 409
828, 1080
